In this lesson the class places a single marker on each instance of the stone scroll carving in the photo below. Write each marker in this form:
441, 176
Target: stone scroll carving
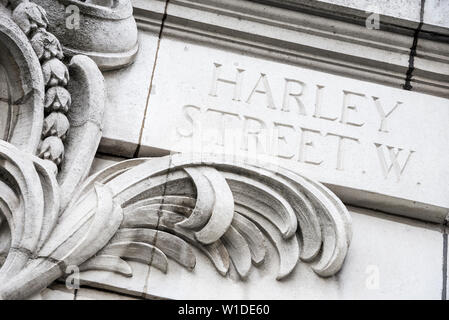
225, 209
150, 210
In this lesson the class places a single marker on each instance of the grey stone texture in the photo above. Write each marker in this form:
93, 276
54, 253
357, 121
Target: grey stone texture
163, 65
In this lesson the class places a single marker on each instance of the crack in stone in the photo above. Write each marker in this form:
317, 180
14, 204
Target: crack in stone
411, 61
136, 153
164, 17
159, 215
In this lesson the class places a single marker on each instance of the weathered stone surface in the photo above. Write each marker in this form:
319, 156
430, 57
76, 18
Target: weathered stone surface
401, 13
375, 269
103, 161
445, 255
412, 268
294, 36
115, 282
431, 56
44, 241
56, 291
367, 141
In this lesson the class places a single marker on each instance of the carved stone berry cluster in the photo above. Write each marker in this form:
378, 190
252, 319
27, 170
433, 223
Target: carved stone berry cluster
31, 18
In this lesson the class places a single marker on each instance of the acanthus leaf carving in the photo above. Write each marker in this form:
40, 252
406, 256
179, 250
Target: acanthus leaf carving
32, 20
300, 217
137, 210
105, 48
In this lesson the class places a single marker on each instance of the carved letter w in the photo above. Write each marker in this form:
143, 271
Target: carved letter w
393, 163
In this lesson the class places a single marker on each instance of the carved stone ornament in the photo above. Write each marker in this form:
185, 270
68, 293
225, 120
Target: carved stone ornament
148, 210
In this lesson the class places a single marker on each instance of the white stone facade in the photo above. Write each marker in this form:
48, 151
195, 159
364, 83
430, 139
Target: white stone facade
238, 149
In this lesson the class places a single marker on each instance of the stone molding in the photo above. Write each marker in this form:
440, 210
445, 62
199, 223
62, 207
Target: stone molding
24, 70
314, 35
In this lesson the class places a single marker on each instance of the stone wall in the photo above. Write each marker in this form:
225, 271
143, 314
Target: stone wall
344, 93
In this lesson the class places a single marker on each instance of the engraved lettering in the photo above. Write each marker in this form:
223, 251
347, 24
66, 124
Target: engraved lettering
187, 111
348, 106
341, 148
307, 143
266, 91
383, 116
288, 94
253, 128
280, 134
283, 135
237, 83
225, 117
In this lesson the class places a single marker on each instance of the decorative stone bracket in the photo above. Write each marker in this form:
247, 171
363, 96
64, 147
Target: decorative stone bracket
150, 210
147, 210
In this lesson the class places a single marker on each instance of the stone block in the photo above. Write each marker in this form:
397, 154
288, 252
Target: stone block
399, 9
386, 143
